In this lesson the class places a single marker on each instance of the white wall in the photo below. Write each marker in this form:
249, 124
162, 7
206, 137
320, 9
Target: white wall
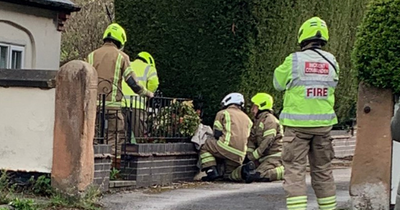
395, 165
34, 28
26, 129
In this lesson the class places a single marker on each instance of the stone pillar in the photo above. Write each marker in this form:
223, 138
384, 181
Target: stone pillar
370, 178
75, 113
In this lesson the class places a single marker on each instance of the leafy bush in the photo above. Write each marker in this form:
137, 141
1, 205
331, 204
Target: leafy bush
216, 47
375, 54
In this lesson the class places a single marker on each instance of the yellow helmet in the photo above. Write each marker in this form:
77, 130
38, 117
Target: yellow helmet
116, 33
148, 58
264, 101
313, 29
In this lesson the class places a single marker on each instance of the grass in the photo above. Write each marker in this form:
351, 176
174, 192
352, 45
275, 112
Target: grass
29, 197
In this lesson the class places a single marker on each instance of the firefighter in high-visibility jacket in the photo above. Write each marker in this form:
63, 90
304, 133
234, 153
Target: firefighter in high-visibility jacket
231, 130
145, 70
309, 79
112, 66
264, 147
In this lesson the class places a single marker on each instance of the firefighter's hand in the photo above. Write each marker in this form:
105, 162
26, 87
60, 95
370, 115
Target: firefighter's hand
149, 94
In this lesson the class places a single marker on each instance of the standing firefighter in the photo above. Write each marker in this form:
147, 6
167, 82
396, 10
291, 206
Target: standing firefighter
309, 79
145, 70
112, 65
265, 141
231, 130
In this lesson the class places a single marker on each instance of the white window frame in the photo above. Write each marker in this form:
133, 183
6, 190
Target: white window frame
10, 49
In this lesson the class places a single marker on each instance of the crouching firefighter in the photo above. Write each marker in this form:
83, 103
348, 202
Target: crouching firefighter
264, 147
228, 147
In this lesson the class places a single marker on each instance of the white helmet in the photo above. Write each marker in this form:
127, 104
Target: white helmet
233, 98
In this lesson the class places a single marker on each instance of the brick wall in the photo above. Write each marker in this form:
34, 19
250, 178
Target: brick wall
344, 144
102, 166
161, 164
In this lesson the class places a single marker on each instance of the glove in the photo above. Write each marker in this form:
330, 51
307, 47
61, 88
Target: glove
149, 94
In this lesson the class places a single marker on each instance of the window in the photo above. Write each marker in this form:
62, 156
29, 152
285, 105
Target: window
11, 56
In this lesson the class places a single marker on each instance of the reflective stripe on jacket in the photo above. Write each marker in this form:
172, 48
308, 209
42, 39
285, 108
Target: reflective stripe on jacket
235, 126
111, 65
265, 138
147, 77
309, 82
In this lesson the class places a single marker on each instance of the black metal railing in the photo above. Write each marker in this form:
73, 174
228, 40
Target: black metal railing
141, 120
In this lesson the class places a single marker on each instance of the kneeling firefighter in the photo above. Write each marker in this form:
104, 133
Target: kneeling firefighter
264, 147
231, 130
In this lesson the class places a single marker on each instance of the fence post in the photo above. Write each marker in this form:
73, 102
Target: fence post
75, 114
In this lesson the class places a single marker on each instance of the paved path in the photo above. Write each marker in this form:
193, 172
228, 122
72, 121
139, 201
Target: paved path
223, 196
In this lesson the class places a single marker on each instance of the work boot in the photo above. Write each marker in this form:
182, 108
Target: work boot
249, 174
212, 174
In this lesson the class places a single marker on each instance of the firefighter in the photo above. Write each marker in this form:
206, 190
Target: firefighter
309, 79
231, 130
145, 70
112, 66
265, 142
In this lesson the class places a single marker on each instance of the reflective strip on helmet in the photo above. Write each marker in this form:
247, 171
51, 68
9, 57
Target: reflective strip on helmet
279, 154
231, 149
306, 117
227, 127
90, 58
218, 125
270, 132
256, 155
116, 78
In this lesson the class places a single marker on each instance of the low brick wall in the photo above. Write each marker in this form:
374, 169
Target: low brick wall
344, 144
102, 166
161, 164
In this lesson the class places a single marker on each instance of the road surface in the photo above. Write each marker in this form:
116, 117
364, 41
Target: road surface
223, 196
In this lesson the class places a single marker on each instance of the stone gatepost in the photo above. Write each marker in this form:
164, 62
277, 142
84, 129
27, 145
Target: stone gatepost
75, 113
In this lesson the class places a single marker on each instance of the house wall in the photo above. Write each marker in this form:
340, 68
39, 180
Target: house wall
26, 129
35, 29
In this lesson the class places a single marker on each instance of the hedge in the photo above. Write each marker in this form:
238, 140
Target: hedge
216, 47
376, 54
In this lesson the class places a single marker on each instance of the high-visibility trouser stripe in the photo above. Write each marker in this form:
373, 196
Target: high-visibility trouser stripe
231, 149
256, 155
116, 78
328, 203
110, 103
207, 160
205, 155
279, 172
297, 203
90, 58
270, 132
236, 174
279, 154
227, 127
305, 117
250, 149
217, 124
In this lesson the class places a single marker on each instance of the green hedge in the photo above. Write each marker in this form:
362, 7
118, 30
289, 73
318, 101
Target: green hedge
216, 47
376, 53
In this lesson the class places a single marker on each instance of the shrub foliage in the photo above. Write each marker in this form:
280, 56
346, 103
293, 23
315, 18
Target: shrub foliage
216, 47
